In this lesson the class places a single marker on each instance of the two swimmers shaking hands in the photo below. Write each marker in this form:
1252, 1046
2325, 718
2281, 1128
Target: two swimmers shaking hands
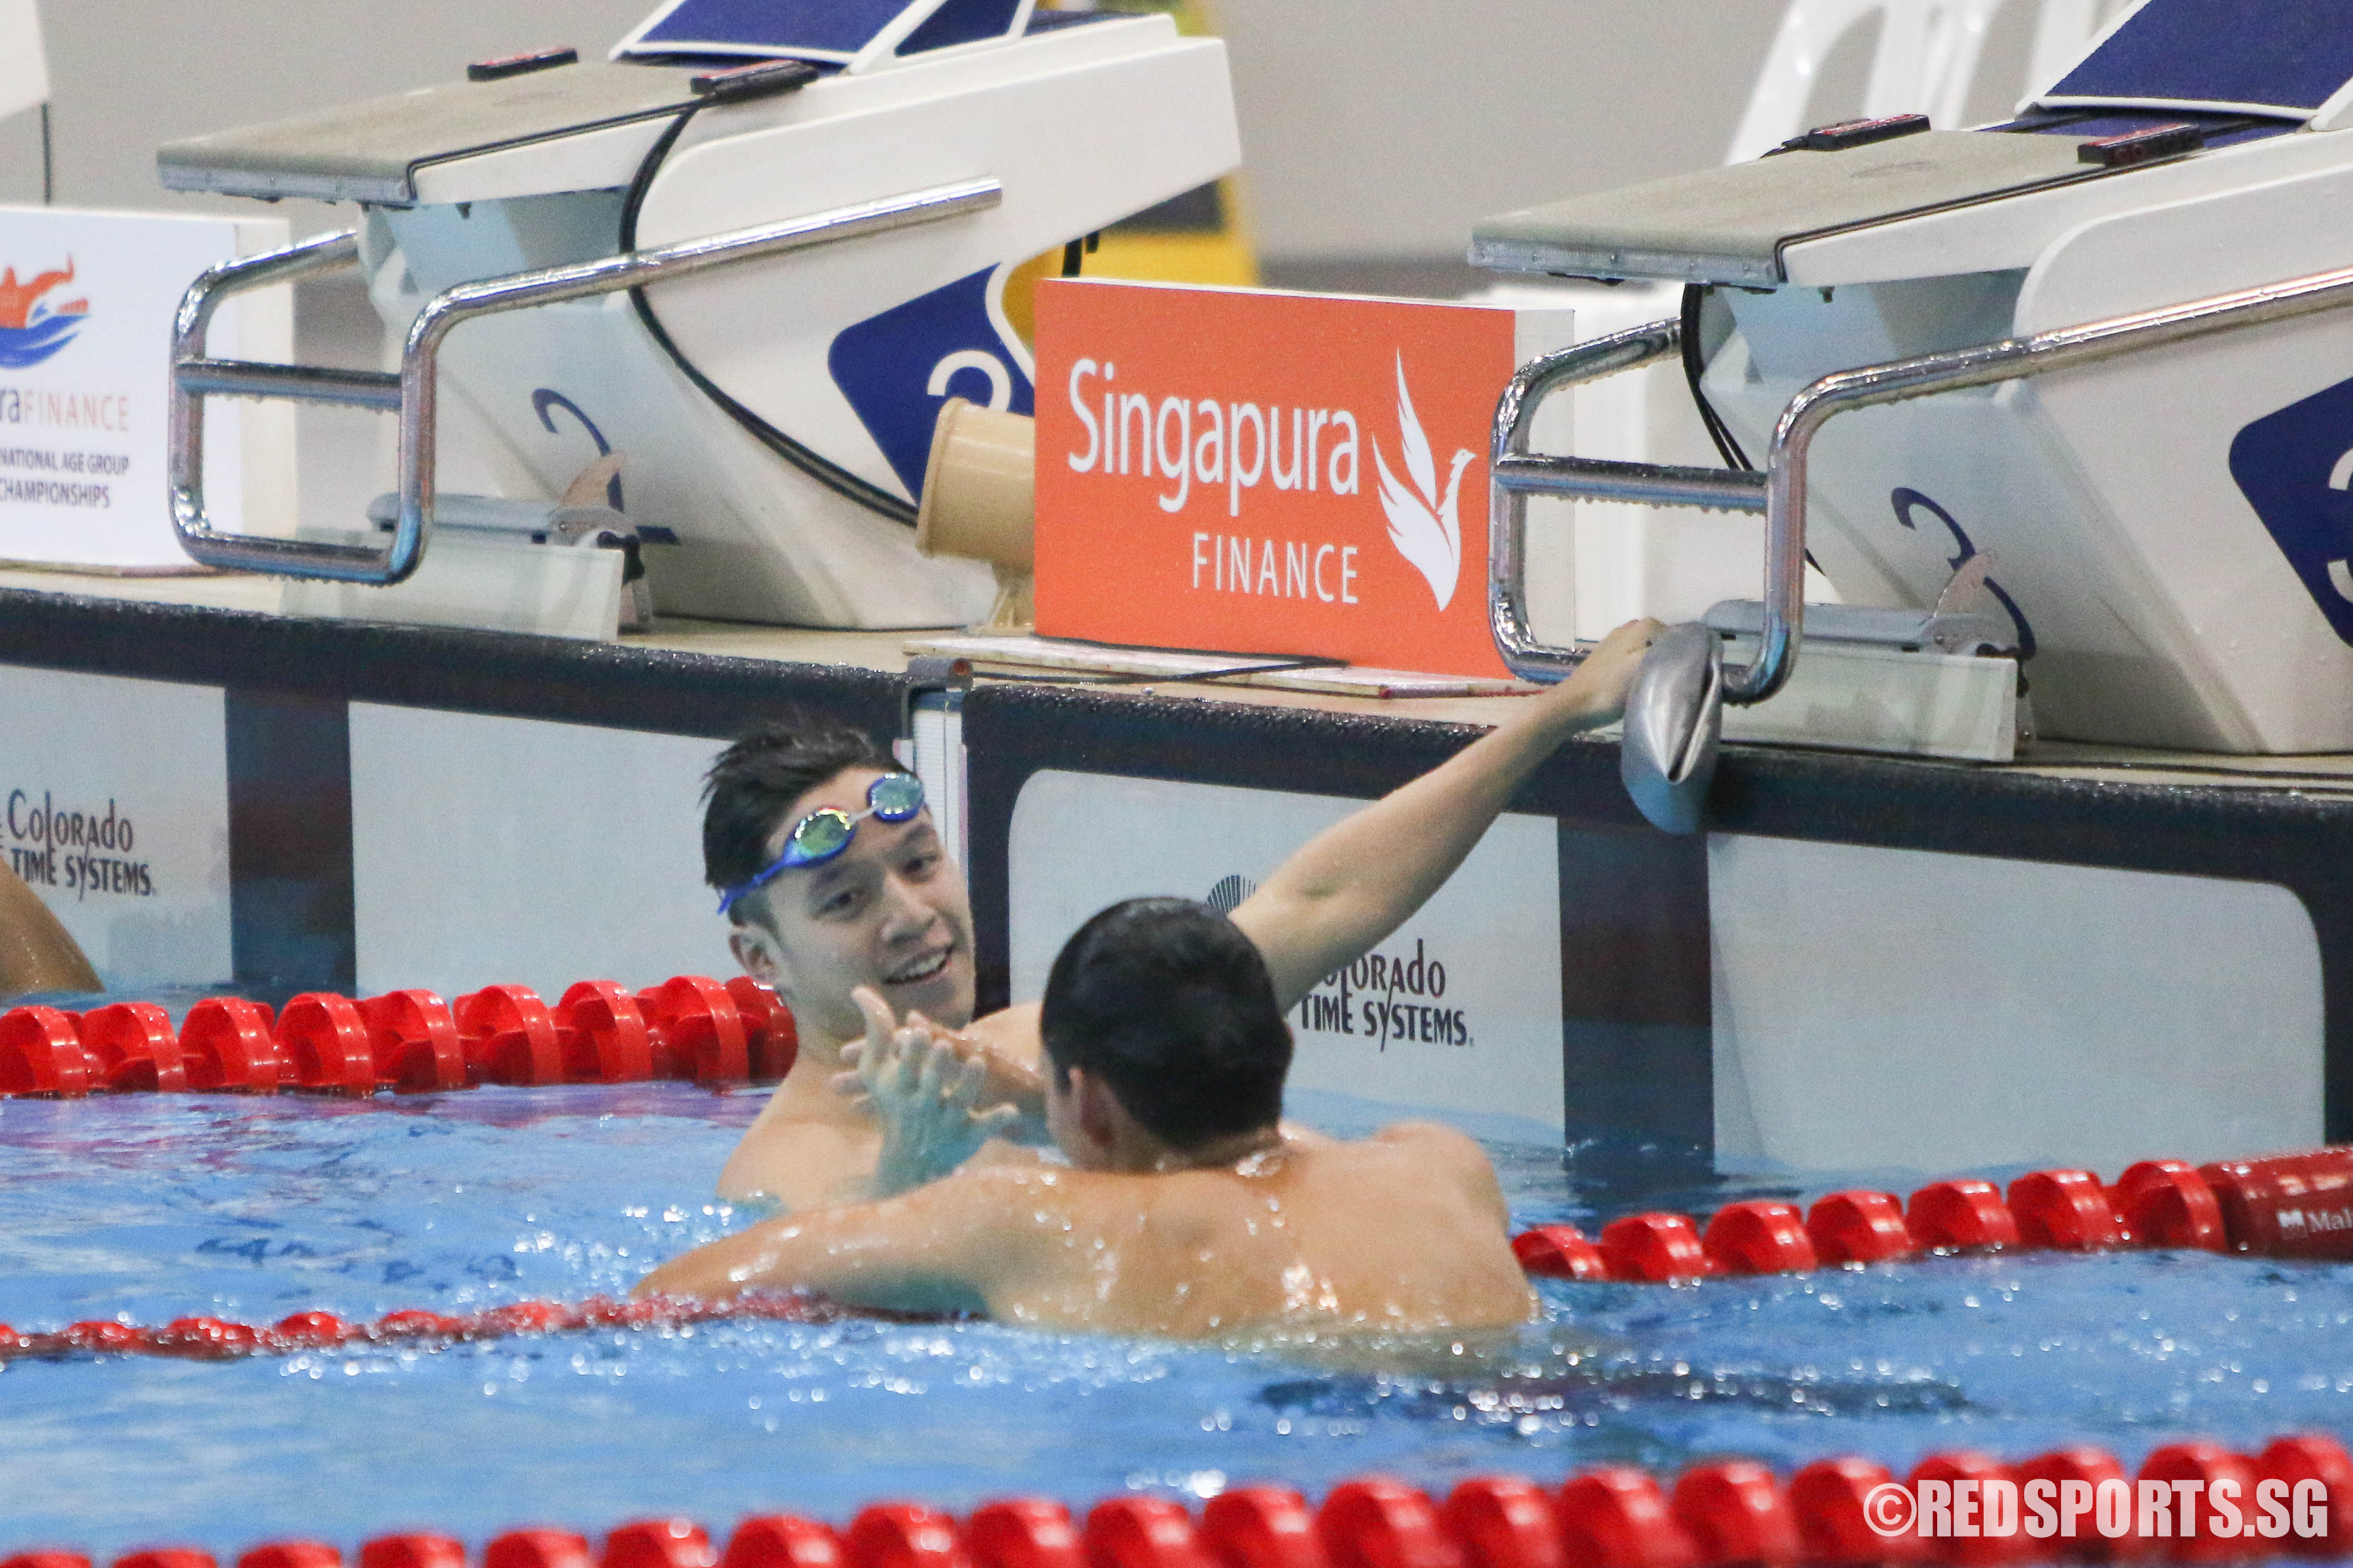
1154, 1064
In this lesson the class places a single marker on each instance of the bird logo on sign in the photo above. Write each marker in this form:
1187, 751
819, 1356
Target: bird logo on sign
1422, 523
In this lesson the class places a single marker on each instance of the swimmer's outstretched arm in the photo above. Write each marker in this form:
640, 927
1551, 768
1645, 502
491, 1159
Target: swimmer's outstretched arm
943, 1247
1358, 880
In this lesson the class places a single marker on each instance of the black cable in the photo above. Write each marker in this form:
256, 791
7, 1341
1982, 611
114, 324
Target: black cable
48, 162
1727, 446
815, 465
1109, 678
1283, 668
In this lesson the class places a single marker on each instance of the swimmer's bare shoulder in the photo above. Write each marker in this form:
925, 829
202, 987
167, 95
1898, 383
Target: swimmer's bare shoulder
1436, 1149
797, 1156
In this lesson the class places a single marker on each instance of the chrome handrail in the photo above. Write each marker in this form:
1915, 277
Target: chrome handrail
1783, 481
1514, 474
412, 391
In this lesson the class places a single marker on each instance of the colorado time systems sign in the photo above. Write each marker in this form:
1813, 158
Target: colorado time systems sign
1267, 473
1459, 1010
114, 811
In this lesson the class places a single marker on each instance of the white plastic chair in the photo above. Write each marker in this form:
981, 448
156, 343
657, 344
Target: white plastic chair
24, 68
1926, 61
1612, 563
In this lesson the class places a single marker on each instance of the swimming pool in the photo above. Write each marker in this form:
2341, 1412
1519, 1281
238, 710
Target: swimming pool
150, 1208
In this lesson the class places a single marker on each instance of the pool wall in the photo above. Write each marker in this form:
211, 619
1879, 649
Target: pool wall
1869, 961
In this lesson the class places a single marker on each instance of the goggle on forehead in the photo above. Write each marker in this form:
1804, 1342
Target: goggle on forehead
826, 832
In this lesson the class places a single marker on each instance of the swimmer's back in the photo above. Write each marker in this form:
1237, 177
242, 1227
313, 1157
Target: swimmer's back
1401, 1232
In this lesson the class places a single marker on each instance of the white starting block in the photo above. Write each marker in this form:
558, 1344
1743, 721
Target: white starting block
756, 251
1617, 562
2093, 343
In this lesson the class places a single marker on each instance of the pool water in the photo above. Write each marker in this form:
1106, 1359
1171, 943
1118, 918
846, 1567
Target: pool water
148, 1208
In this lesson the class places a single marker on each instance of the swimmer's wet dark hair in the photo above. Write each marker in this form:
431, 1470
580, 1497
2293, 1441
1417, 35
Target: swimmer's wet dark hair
1170, 1004
756, 781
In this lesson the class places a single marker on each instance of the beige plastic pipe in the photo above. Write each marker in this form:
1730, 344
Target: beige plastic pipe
980, 503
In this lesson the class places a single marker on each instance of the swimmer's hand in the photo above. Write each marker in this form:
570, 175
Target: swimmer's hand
1596, 692
929, 1095
1006, 1079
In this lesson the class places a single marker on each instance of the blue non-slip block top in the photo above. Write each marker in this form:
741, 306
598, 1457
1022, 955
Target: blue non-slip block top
834, 27
2287, 56
820, 28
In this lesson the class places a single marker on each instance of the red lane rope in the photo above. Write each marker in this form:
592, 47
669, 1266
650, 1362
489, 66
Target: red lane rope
2291, 1206
2191, 1503
411, 1042
2296, 1206
217, 1339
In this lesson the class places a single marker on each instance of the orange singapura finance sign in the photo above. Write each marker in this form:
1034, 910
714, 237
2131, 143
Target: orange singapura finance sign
1254, 472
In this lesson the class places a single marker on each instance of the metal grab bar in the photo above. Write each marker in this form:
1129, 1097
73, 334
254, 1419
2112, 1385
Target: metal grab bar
1514, 474
412, 391
1783, 481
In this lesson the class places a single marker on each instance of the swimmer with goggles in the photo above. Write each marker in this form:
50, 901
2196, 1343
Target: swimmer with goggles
826, 832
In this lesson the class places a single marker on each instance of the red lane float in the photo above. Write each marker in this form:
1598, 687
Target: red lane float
1377, 1522
410, 1042
1833, 1514
780, 1541
653, 1543
2285, 1205
904, 1535
776, 1541
509, 1036
1655, 1248
413, 1550
1141, 1532
1758, 1237
1832, 1500
1504, 1521
214, 1339
294, 1554
1980, 1548
771, 1038
698, 1030
1965, 1213
1559, 1252
1022, 1532
2064, 1210
529, 1549
2302, 1457
323, 1046
228, 1045
413, 1041
1263, 1527
132, 1047
41, 1054
1735, 1512
603, 1035
1858, 1228
1617, 1517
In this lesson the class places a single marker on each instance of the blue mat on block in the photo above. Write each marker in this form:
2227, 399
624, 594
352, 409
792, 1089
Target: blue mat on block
2286, 56
814, 29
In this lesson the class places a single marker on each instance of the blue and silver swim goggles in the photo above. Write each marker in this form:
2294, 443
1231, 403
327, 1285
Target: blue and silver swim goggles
827, 831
